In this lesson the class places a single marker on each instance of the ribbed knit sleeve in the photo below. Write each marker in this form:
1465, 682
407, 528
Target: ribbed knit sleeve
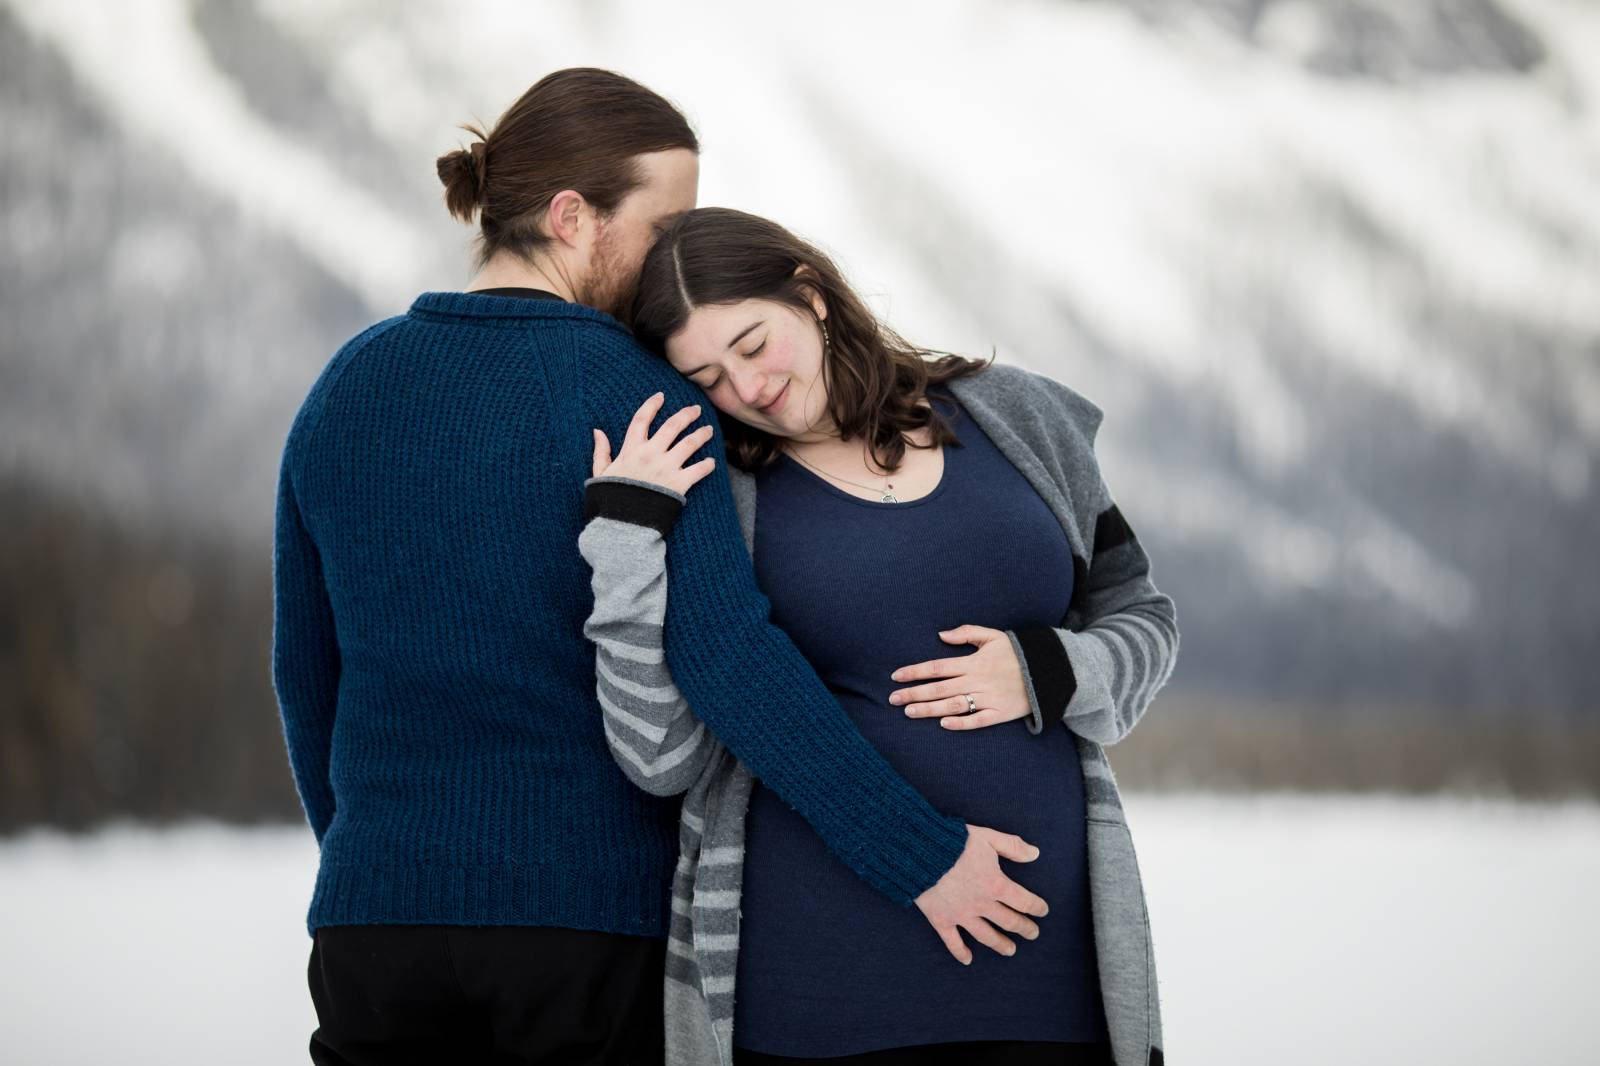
751, 686
305, 653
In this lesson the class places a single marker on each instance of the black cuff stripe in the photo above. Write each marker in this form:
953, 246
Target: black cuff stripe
1054, 683
1110, 530
631, 503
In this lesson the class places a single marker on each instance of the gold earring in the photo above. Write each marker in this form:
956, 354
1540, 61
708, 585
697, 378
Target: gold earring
824, 326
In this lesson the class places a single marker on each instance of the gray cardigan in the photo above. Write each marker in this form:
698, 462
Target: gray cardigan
1096, 674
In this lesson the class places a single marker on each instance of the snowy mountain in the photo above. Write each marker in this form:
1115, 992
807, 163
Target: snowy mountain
1331, 267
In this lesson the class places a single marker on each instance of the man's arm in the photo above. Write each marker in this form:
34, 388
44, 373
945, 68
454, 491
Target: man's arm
305, 654
755, 691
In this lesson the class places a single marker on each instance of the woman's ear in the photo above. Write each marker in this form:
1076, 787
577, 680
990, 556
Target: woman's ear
818, 304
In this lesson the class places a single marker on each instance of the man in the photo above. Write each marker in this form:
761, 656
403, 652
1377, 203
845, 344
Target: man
490, 883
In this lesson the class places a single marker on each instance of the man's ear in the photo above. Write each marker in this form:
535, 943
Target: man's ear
818, 304
565, 216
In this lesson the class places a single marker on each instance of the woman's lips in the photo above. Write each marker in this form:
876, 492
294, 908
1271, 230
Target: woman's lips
777, 401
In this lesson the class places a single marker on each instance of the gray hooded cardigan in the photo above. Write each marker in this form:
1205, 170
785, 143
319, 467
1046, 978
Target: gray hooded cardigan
1095, 674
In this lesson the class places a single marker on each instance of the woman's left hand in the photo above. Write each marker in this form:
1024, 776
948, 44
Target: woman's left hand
991, 674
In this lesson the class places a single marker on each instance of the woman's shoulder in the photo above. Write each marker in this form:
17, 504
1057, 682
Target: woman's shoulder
1025, 398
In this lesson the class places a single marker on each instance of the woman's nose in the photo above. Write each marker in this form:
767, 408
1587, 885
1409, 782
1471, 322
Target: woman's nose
749, 387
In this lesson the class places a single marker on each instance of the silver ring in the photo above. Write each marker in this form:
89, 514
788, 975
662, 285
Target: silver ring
972, 704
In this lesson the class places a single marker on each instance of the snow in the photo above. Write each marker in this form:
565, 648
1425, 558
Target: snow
1185, 194
1169, 186
147, 66
1288, 928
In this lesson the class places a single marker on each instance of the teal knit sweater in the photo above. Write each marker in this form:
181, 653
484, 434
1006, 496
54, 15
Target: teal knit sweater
436, 688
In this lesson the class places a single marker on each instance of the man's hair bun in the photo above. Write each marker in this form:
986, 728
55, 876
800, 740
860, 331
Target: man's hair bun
463, 173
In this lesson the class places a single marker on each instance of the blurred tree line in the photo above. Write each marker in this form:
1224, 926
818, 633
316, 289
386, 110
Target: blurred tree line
135, 672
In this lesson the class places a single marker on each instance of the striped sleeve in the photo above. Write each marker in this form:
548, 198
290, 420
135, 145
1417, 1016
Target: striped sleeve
1100, 678
653, 735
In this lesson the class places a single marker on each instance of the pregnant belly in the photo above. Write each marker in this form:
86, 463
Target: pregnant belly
817, 942
1001, 777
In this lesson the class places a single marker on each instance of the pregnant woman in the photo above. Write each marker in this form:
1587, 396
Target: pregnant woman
935, 536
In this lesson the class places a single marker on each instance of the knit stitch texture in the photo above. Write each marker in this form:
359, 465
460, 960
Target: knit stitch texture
436, 689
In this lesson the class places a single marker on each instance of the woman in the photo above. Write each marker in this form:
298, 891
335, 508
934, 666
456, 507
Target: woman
898, 508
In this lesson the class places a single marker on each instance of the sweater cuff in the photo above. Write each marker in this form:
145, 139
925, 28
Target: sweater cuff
1047, 671
627, 499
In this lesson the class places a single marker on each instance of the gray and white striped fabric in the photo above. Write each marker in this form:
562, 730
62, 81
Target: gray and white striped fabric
1120, 638
659, 744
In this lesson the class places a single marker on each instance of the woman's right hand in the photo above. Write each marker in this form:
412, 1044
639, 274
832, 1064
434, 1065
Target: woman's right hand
658, 459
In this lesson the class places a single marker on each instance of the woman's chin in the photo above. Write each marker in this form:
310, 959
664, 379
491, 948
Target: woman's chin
756, 420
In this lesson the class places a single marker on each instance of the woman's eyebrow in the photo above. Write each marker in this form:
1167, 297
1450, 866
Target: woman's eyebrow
742, 332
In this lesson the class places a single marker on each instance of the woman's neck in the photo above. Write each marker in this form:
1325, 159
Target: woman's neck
829, 440
834, 449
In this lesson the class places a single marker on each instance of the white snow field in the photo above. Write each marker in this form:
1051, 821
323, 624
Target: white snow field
1304, 929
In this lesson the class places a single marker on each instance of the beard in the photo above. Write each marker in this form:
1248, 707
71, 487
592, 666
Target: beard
612, 281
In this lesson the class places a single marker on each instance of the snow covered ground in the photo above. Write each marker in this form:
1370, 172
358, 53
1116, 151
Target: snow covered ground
1288, 929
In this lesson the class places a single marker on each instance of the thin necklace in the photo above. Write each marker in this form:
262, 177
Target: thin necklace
888, 497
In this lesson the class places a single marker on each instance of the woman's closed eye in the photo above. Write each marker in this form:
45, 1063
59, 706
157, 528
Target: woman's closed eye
712, 383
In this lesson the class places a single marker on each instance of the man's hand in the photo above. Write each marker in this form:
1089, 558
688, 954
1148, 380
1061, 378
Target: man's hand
976, 895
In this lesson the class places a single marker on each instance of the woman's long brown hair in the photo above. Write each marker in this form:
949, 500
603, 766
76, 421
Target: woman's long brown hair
875, 379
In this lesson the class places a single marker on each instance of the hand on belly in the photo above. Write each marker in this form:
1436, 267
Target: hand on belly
972, 691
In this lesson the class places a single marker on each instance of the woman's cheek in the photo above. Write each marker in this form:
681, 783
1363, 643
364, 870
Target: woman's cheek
778, 359
722, 397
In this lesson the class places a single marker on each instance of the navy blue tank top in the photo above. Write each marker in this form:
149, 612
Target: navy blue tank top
826, 965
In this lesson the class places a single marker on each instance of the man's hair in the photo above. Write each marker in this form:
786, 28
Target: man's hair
579, 128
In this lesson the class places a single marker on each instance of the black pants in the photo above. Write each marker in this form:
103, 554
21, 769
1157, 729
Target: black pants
395, 994
965, 1053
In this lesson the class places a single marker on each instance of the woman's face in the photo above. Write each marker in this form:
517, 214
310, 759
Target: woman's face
759, 361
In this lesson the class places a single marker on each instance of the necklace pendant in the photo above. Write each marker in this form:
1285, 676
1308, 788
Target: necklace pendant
888, 497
